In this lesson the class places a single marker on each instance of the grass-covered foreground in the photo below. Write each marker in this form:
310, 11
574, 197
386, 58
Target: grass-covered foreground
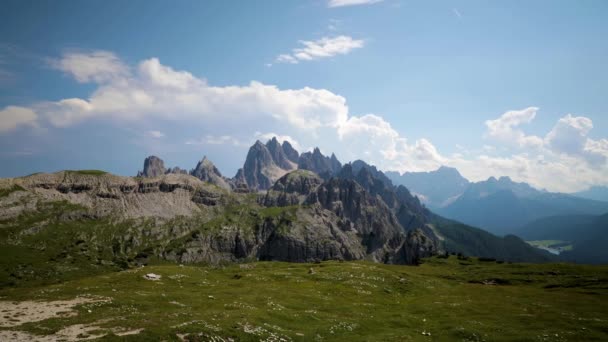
443, 299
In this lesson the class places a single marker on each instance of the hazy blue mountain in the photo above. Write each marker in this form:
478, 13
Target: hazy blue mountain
502, 206
561, 227
590, 244
588, 235
598, 193
436, 188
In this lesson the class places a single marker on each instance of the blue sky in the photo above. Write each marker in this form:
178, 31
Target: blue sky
512, 88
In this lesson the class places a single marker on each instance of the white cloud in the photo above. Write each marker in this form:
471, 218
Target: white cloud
95, 66
343, 3
155, 134
12, 117
372, 138
159, 91
565, 160
569, 136
505, 128
322, 48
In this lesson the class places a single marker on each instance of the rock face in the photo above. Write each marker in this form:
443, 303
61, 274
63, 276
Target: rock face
153, 167
264, 165
381, 234
290, 152
407, 208
193, 221
316, 162
377, 231
177, 170
207, 172
279, 157
291, 189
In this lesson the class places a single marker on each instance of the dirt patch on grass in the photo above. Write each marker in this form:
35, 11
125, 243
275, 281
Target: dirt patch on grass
72, 333
13, 314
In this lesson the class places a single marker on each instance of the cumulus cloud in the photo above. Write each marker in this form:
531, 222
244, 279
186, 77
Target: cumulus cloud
12, 117
322, 48
505, 129
569, 136
565, 159
343, 3
156, 90
95, 66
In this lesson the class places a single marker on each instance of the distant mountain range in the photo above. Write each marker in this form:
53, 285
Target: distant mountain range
500, 206
598, 193
436, 188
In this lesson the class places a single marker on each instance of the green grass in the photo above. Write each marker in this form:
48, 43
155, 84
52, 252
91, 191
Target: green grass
355, 301
41, 247
88, 172
8, 191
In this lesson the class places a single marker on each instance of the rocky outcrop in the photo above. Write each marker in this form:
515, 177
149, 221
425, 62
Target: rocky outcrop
106, 195
290, 152
153, 167
264, 165
177, 170
291, 189
407, 208
374, 222
316, 162
279, 157
207, 172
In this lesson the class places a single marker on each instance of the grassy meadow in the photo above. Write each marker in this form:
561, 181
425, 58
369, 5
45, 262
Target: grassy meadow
460, 299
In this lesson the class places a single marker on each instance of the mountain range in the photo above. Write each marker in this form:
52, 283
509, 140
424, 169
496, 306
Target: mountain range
571, 225
436, 188
598, 193
274, 209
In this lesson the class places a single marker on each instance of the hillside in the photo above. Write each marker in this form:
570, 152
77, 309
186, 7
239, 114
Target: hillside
443, 299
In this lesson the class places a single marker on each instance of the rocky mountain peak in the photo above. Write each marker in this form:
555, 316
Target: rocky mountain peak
292, 189
153, 167
207, 172
315, 161
290, 152
265, 163
278, 154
